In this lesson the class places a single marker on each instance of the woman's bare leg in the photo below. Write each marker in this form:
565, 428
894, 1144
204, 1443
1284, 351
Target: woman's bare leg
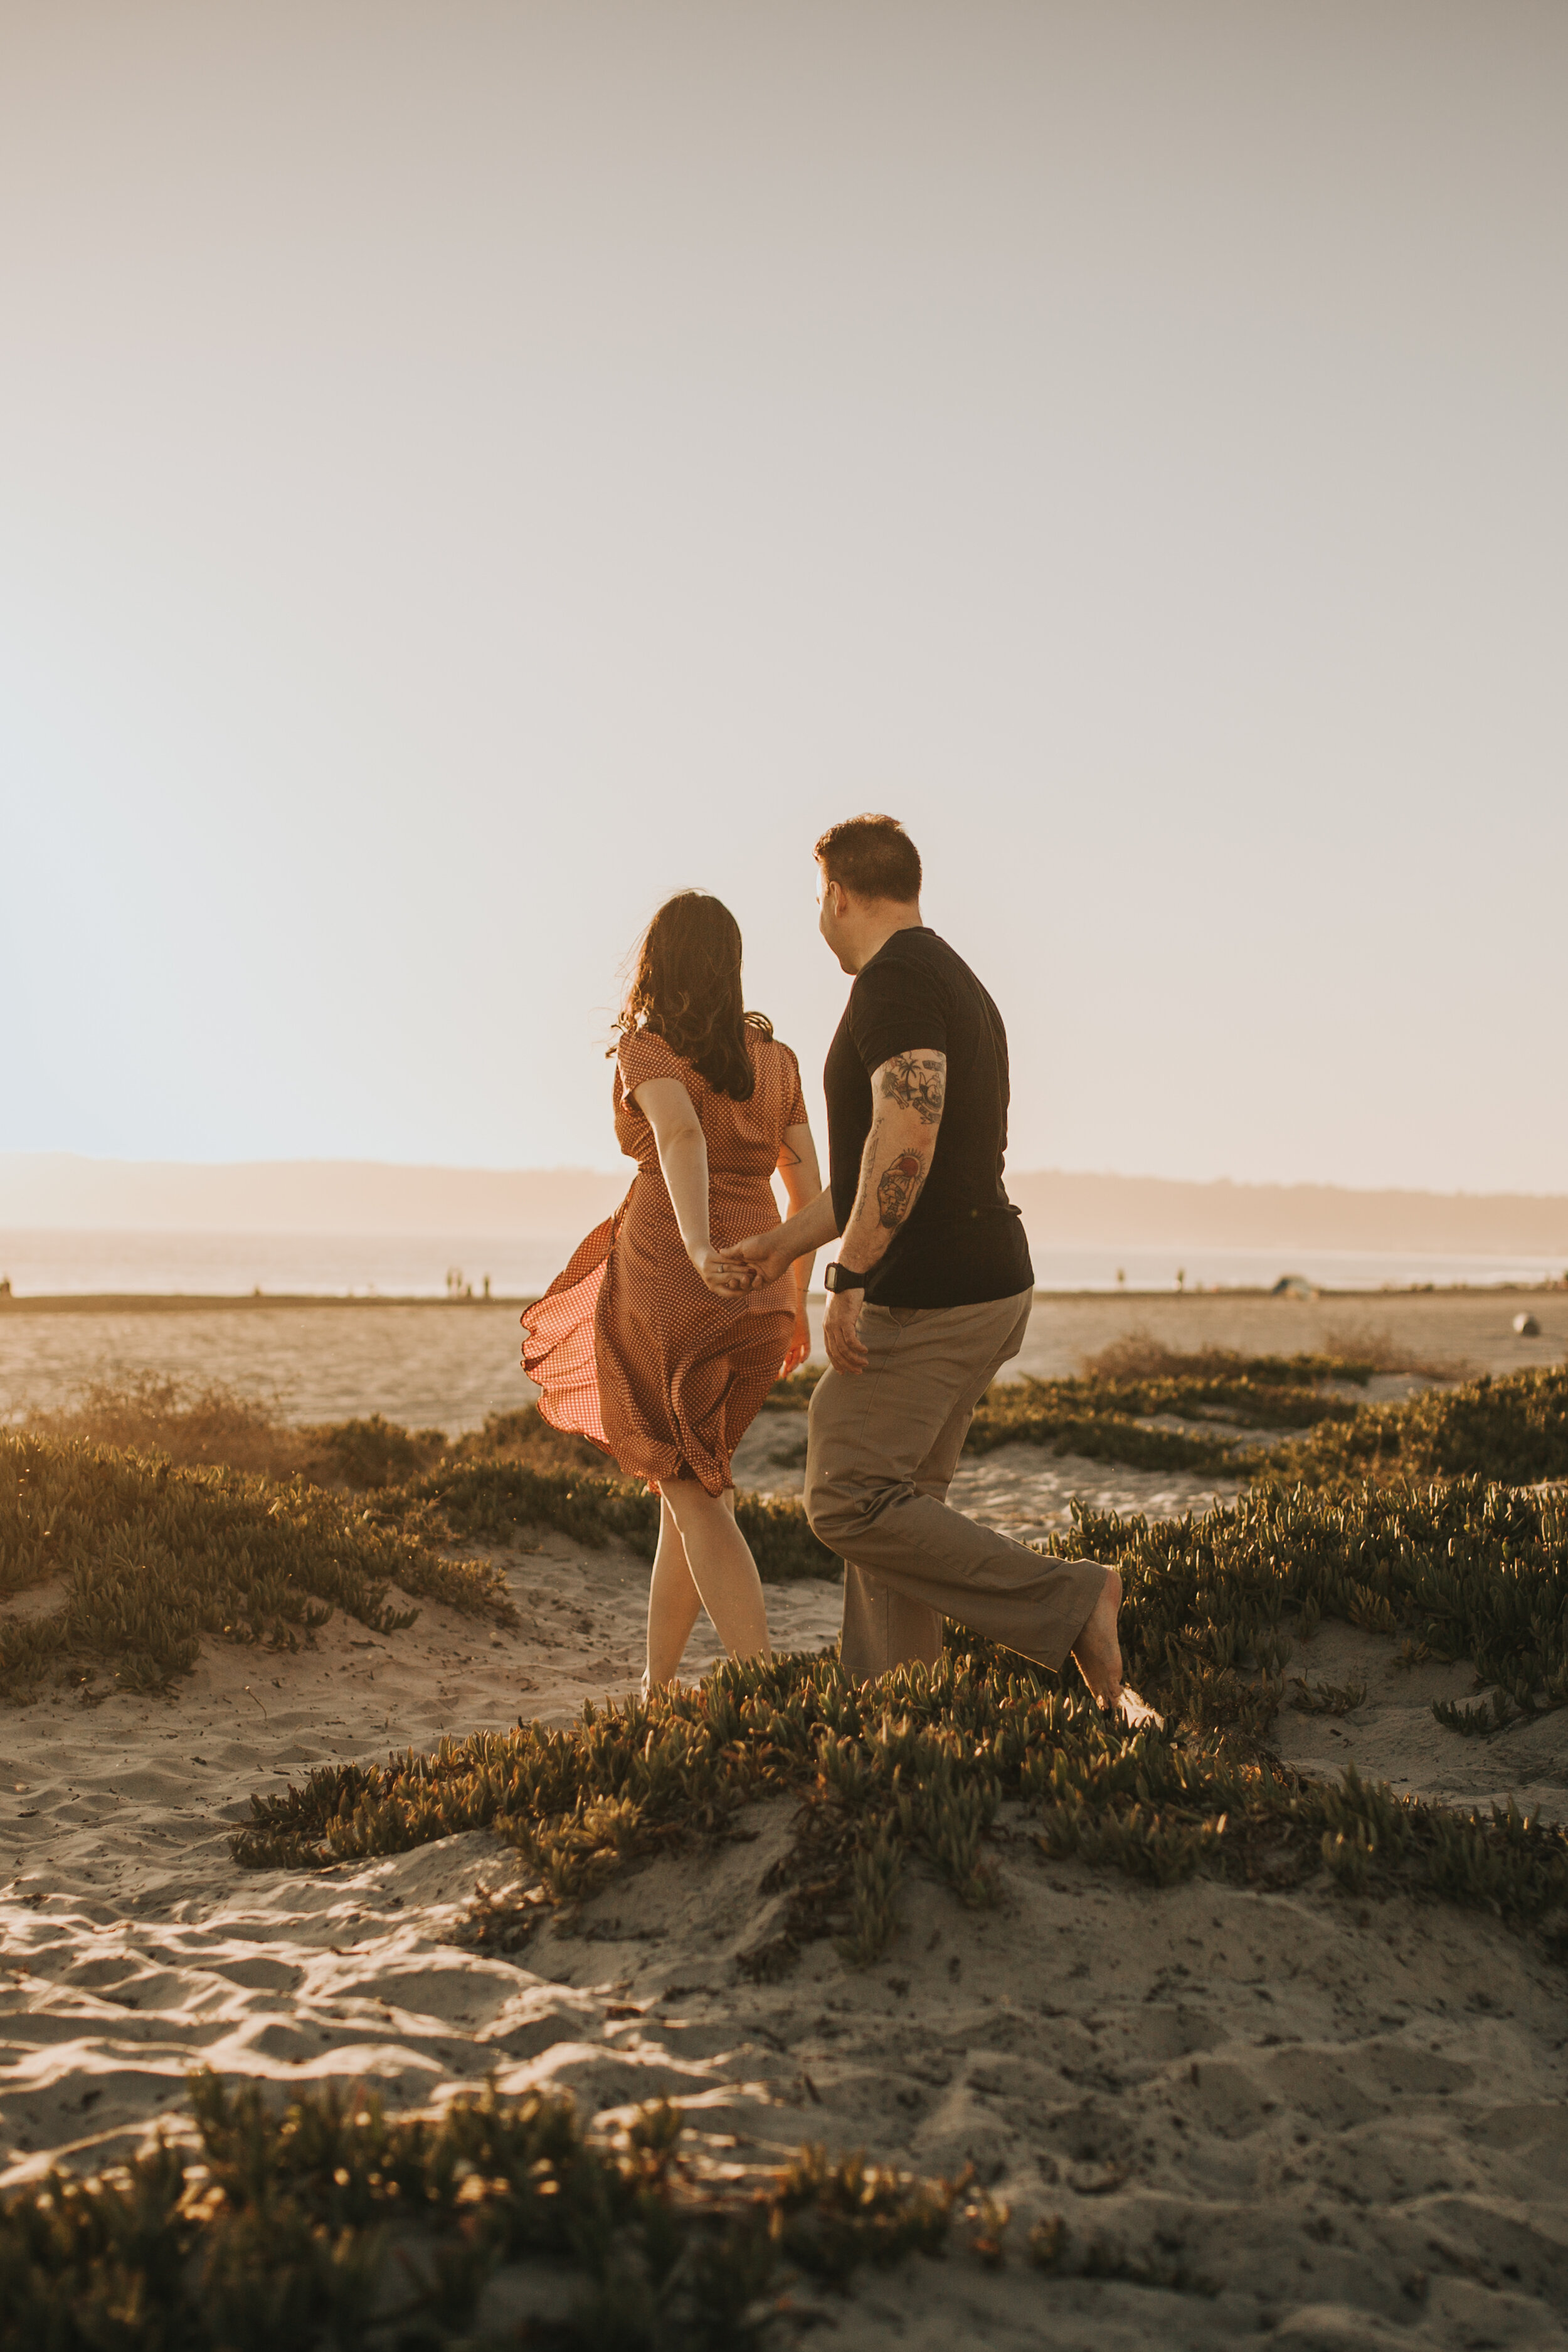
673, 1602
720, 1562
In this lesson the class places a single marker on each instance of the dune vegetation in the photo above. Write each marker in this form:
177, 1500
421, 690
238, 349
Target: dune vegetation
1514, 1430
153, 1557
171, 1513
1217, 1606
328, 2221
199, 1425
1113, 1411
1106, 1413
921, 1761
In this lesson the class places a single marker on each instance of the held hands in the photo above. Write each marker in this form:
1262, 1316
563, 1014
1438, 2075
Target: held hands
750, 1265
725, 1275
760, 1254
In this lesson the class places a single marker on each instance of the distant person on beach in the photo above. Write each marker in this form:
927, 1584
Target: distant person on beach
656, 1342
930, 1296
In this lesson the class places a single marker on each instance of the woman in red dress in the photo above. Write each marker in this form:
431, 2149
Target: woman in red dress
654, 1342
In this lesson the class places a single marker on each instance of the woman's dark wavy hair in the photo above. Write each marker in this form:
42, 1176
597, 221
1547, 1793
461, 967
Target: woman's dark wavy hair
686, 989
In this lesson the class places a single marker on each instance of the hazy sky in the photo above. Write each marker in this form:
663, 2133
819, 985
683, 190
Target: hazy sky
467, 470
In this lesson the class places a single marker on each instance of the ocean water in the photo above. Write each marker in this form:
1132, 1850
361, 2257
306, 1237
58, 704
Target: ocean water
312, 1265
422, 1266
1212, 1269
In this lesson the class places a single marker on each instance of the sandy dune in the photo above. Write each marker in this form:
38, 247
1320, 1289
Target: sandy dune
118, 1818
1296, 2119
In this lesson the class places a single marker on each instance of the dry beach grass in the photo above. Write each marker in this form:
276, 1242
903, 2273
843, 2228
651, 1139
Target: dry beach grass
1248, 2045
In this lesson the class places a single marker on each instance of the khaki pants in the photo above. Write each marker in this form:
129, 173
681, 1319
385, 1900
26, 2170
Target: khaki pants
883, 1446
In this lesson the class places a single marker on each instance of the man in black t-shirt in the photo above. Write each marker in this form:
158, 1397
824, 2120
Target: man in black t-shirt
930, 1297
913, 1003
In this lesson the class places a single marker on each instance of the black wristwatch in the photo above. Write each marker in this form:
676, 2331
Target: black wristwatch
837, 1277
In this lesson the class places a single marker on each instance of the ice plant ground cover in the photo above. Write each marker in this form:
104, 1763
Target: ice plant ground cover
154, 1553
920, 1761
330, 2222
152, 1559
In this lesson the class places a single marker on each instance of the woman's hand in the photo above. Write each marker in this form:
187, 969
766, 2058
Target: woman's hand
722, 1276
799, 1344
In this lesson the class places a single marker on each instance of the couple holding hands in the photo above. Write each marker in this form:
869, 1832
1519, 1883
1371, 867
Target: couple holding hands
663, 1336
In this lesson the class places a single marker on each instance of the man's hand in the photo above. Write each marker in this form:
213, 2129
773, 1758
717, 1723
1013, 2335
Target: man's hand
771, 1254
841, 1334
760, 1254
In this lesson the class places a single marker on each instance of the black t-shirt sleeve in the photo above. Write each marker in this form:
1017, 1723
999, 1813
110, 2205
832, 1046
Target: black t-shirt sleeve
897, 1007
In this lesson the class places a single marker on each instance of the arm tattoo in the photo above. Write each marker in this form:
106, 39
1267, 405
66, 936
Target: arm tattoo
917, 1082
900, 1185
788, 1158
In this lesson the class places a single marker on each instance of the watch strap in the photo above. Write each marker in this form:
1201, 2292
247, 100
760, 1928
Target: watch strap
845, 1279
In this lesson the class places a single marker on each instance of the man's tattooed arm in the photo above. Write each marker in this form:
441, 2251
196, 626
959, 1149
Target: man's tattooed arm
907, 1094
916, 1082
899, 1189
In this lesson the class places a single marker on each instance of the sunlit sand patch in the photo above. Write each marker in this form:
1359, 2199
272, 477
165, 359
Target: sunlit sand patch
1188, 2086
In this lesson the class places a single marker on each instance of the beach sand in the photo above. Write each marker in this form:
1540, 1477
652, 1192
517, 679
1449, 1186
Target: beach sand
1293, 2117
1347, 2119
434, 1365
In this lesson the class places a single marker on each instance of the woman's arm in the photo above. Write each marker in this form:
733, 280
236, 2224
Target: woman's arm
803, 1184
797, 1166
683, 1162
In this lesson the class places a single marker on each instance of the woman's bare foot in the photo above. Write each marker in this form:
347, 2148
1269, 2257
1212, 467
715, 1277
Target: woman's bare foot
1097, 1649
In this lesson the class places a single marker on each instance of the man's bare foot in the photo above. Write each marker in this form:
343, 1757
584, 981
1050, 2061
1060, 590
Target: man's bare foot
1097, 1649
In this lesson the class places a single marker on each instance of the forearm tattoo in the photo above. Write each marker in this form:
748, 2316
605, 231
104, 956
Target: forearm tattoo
917, 1082
900, 1185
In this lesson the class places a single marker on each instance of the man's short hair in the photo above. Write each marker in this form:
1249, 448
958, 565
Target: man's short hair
873, 858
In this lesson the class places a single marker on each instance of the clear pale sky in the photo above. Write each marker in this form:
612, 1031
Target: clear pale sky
469, 469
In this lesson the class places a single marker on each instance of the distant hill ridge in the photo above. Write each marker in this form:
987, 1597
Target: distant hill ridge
1156, 1212
63, 1191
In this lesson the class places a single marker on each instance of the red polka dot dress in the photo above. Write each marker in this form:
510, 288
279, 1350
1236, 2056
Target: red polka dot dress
627, 1346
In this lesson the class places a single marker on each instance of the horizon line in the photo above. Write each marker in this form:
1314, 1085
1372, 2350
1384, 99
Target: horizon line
587, 1168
